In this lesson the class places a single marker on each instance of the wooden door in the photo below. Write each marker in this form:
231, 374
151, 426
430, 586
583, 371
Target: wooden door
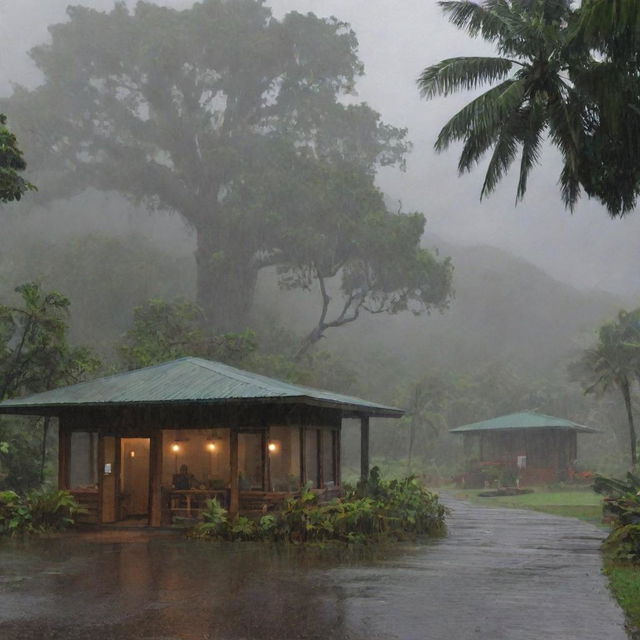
134, 477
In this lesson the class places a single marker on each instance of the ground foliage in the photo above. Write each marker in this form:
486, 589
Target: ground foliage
622, 506
375, 510
37, 511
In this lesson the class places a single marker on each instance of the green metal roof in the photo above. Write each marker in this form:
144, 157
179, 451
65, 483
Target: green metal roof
524, 420
186, 381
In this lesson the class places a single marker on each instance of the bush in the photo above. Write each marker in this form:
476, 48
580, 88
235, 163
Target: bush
622, 508
38, 511
373, 510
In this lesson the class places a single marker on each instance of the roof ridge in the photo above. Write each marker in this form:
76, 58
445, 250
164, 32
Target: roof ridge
237, 374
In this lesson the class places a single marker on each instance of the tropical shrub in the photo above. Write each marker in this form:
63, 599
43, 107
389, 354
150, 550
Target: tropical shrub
622, 507
374, 510
38, 511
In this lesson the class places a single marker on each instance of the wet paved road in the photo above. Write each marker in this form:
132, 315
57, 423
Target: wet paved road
501, 574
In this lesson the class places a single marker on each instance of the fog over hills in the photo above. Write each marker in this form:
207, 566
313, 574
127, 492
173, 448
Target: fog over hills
529, 279
397, 39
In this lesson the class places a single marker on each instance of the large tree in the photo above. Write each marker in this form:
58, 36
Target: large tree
214, 112
613, 363
556, 77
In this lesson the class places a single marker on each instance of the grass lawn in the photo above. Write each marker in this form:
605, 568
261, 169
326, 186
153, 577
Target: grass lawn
624, 580
576, 503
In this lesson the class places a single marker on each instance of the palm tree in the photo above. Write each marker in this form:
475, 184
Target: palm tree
613, 363
602, 21
532, 93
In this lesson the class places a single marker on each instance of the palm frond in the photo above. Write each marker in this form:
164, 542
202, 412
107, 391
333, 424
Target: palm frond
531, 142
476, 19
504, 153
602, 21
482, 116
463, 73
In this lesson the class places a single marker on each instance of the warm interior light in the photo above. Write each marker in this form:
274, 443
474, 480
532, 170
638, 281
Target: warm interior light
211, 446
273, 447
175, 447
132, 454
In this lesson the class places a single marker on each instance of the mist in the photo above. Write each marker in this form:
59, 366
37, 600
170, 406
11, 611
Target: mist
532, 280
396, 42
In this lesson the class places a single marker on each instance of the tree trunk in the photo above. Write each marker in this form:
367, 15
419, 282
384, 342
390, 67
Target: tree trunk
226, 282
626, 392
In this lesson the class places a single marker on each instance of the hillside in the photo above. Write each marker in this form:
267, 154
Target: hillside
504, 309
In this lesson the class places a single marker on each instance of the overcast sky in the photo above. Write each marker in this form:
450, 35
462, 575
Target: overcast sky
397, 39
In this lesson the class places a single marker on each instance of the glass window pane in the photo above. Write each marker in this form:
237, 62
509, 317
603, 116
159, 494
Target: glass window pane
83, 463
311, 456
250, 461
204, 453
328, 458
284, 458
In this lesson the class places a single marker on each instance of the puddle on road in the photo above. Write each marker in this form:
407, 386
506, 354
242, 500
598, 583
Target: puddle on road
169, 587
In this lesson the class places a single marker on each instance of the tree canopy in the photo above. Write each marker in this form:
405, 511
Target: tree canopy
239, 122
12, 164
562, 74
614, 363
35, 355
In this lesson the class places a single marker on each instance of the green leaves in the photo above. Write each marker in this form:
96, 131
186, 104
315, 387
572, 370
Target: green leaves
38, 511
216, 113
614, 363
461, 74
165, 331
622, 505
34, 352
12, 184
551, 83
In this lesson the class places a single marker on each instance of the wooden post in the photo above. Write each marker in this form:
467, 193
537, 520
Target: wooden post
364, 447
64, 457
337, 436
155, 479
266, 460
320, 450
303, 466
234, 488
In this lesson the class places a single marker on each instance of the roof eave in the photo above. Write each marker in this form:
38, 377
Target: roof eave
348, 410
578, 428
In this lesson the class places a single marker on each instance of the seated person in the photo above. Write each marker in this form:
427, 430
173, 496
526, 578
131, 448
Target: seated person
184, 480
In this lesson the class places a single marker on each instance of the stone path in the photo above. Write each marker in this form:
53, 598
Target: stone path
501, 574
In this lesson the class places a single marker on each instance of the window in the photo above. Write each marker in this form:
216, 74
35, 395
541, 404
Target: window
83, 462
328, 457
311, 456
251, 461
284, 458
204, 452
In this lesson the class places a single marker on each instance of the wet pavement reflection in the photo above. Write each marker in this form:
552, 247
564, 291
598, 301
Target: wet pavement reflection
499, 574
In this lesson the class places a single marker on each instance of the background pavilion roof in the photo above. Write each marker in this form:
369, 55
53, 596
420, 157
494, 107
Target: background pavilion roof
523, 420
186, 381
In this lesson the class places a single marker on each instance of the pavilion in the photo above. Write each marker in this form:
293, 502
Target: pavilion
542, 449
156, 443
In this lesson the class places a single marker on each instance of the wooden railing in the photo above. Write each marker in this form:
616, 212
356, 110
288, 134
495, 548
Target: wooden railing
188, 503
